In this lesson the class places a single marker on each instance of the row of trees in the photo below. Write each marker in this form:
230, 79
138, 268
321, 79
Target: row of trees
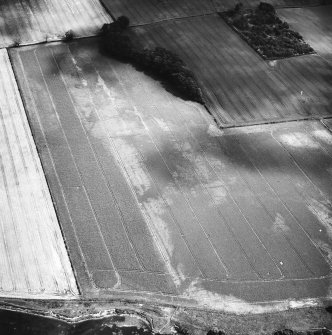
160, 62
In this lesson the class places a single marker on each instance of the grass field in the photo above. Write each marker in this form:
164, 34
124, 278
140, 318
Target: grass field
40, 20
157, 202
241, 87
314, 24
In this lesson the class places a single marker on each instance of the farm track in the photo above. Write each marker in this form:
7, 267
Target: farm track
30, 22
153, 198
241, 88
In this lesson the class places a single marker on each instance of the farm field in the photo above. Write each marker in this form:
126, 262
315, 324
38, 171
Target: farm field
141, 12
241, 88
35, 21
223, 5
155, 202
33, 259
314, 24
328, 123
148, 11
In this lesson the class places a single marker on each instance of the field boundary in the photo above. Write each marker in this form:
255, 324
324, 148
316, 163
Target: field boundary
25, 108
209, 111
49, 42
215, 10
31, 192
249, 124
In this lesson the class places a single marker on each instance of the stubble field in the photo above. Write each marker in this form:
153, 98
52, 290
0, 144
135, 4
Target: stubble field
26, 22
33, 257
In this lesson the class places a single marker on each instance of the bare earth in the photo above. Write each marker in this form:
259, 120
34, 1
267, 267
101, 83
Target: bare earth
155, 202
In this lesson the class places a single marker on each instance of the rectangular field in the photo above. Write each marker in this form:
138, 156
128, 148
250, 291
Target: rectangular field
148, 11
314, 24
34, 262
223, 5
242, 88
40, 20
141, 12
156, 202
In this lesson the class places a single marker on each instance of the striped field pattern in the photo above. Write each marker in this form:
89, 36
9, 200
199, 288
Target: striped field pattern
314, 24
142, 12
35, 21
242, 88
227, 4
33, 258
156, 202
148, 11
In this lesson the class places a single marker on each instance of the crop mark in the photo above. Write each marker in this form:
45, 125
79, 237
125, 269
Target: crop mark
80, 75
51, 158
77, 170
157, 149
204, 187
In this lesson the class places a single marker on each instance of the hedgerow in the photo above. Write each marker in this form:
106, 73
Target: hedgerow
159, 62
265, 32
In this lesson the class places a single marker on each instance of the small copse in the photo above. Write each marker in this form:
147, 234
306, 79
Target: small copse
68, 36
159, 62
265, 32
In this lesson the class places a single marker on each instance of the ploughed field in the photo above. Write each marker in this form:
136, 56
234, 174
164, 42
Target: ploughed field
314, 24
148, 11
35, 21
227, 4
156, 202
240, 87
